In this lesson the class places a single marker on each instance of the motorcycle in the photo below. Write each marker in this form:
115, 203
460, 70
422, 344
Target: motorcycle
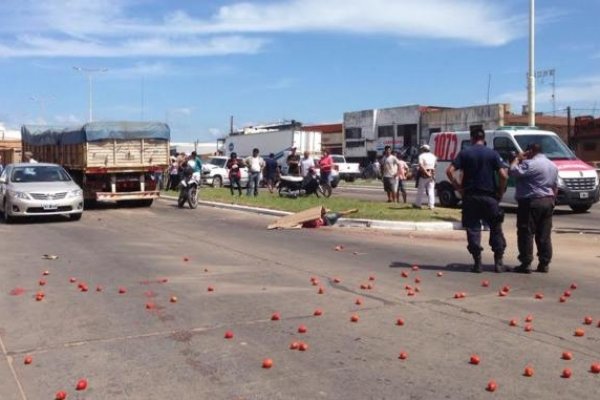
189, 188
296, 186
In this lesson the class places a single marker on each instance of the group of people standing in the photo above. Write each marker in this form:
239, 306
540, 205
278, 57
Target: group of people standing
270, 170
178, 167
396, 171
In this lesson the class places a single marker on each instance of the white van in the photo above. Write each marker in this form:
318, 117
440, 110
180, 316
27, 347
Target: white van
578, 181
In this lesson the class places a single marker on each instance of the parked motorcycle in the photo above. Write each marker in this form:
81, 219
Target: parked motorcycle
189, 188
297, 186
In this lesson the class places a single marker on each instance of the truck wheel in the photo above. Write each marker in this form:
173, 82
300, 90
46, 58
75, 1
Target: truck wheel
447, 196
580, 208
143, 203
217, 181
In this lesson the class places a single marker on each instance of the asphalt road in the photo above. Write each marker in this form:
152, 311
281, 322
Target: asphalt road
178, 350
565, 219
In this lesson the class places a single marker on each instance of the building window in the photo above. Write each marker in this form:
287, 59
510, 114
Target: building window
360, 143
385, 131
353, 133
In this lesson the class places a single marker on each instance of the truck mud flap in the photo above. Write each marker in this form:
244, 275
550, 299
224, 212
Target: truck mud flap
109, 196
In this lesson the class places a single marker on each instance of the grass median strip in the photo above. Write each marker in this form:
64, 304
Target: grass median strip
367, 209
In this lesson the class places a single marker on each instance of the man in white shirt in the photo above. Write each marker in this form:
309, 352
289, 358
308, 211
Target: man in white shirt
28, 158
306, 164
427, 162
255, 164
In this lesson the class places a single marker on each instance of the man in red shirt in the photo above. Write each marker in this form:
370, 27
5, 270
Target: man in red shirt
325, 166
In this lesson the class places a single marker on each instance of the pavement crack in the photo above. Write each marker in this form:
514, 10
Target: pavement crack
9, 361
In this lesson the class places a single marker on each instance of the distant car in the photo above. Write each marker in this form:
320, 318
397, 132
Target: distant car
215, 174
347, 171
38, 189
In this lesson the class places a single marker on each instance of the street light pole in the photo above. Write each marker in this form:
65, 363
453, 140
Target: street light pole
531, 75
89, 72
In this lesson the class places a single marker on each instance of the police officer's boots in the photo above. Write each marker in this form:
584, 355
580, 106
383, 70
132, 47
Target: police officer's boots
499, 263
476, 264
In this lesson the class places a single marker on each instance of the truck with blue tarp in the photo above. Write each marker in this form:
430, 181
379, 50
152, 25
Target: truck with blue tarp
111, 161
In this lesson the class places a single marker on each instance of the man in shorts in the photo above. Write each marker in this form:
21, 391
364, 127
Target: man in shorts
390, 166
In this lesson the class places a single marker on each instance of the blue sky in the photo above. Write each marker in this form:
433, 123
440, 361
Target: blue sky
195, 63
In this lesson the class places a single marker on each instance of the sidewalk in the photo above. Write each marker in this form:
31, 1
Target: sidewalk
342, 222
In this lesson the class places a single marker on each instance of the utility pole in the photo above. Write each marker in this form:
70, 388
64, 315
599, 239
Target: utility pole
569, 140
489, 87
89, 72
231, 125
531, 75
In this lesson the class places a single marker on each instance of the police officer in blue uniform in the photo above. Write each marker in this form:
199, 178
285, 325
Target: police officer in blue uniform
484, 180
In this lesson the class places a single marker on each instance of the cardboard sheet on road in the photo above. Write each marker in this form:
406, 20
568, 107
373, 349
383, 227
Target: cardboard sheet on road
295, 221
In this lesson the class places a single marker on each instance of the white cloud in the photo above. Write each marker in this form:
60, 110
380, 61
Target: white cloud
67, 119
215, 132
121, 28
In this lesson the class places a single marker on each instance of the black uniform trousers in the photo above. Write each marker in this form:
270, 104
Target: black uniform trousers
477, 208
534, 220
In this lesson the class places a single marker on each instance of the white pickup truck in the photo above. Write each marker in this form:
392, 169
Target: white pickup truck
347, 171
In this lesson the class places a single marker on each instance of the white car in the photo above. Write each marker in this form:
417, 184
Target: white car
215, 174
38, 189
347, 171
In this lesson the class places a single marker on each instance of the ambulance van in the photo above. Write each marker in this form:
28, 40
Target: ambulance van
577, 182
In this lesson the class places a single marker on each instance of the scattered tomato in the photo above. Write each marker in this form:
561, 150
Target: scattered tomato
528, 372
369, 286
403, 355
42, 282
98, 288
321, 290
294, 346
27, 360
567, 355
302, 329
417, 280
318, 312
475, 359
267, 363
415, 267
173, 299
404, 274
410, 293
506, 288
72, 279
485, 283
529, 318
210, 289
579, 332
302, 346
338, 248
354, 318
595, 368
528, 328
358, 302
573, 286
84, 288
372, 278
336, 280
46, 273
229, 335
439, 274
315, 282
60, 395
275, 317
491, 386
562, 299
513, 322
81, 384
566, 373
539, 296
567, 293
400, 322
122, 290
588, 320
502, 293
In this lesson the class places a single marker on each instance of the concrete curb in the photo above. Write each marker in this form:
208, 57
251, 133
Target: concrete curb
342, 222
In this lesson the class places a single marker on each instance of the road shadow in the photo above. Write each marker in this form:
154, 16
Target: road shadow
452, 267
49, 219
